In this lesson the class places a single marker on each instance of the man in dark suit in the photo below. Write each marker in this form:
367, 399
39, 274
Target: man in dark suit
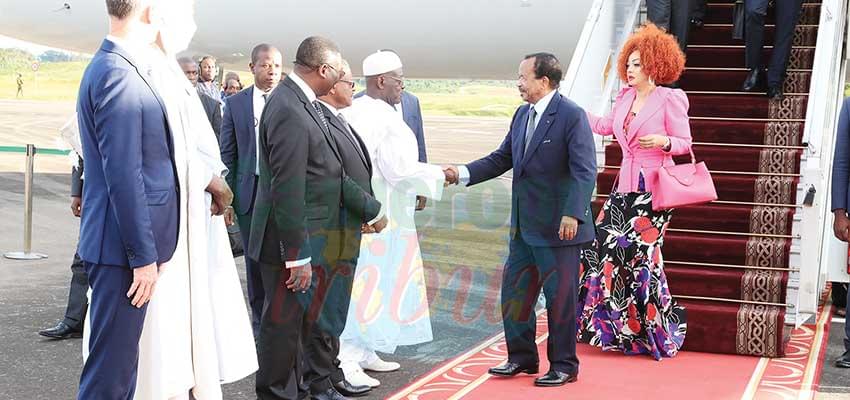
130, 199
358, 166
212, 107
239, 131
840, 201
550, 148
75, 312
787, 15
296, 228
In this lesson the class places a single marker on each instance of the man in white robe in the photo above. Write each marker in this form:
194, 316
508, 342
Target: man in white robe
197, 334
394, 310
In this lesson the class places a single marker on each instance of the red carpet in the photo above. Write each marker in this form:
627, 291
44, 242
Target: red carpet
689, 375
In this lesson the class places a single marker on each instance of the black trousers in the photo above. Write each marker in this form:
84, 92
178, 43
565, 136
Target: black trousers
787, 15
554, 270
75, 313
330, 303
672, 15
699, 8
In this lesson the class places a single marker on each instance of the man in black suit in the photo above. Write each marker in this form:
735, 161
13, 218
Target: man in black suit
296, 228
212, 107
787, 15
358, 166
75, 313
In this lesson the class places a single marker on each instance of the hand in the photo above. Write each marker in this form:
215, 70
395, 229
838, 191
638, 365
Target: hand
380, 224
452, 175
300, 278
76, 206
569, 227
144, 280
229, 216
653, 141
221, 193
420, 203
366, 229
840, 225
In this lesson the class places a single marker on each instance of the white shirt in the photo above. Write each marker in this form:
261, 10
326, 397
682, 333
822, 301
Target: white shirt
308, 91
259, 105
539, 109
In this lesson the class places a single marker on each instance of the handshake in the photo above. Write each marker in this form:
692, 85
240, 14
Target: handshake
452, 175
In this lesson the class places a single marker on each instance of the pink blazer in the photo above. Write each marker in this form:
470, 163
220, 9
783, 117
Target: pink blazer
665, 113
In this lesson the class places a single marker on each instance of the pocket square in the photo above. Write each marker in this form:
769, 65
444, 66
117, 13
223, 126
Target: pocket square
547, 141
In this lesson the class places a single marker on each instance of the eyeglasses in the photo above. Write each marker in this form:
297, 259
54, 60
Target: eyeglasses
350, 83
397, 79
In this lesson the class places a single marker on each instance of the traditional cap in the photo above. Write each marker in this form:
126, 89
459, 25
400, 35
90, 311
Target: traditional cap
380, 62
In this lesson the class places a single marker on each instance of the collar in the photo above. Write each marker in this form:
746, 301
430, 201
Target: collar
308, 91
383, 103
333, 109
542, 104
258, 93
140, 53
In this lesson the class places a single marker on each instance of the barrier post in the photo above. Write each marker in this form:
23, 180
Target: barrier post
27, 254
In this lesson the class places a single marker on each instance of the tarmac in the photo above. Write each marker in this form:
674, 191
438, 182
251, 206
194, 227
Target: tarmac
462, 250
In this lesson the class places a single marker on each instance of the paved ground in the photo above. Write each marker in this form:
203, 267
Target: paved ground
466, 225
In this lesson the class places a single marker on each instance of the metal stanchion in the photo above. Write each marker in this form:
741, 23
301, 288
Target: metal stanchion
27, 254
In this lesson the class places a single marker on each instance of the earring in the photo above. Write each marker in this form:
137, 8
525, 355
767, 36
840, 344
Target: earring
652, 81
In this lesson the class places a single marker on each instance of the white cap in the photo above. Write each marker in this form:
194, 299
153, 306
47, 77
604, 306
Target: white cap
380, 62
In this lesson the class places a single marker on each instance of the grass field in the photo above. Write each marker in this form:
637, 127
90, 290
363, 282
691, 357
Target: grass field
60, 81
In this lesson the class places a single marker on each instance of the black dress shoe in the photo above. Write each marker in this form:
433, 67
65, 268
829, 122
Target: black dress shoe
345, 388
555, 378
775, 93
843, 361
752, 81
330, 394
61, 331
511, 369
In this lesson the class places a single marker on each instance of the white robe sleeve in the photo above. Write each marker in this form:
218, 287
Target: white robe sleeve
397, 159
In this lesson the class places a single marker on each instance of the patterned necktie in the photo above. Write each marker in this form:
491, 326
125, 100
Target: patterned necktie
529, 129
321, 115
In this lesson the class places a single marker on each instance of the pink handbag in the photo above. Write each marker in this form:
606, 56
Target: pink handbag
683, 185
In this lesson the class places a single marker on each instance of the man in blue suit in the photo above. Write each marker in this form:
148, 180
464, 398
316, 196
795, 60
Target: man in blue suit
551, 151
130, 202
239, 132
840, 200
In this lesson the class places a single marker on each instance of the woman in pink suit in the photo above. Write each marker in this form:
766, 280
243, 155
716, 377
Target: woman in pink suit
624, 301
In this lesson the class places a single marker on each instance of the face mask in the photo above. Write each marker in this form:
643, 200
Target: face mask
176, 31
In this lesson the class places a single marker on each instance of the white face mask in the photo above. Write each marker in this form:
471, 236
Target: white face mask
177, 27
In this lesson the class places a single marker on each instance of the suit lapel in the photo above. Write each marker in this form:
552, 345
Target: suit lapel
542, 126
312, 112
620, 116
250, 127
652, 105
337, 124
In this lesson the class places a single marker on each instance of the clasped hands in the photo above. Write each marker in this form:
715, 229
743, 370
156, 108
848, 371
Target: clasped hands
222, 197
452, 175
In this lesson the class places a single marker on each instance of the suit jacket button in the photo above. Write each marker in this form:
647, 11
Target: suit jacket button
130, 254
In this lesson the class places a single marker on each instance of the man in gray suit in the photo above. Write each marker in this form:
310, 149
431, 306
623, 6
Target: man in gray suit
672, 15
75, 313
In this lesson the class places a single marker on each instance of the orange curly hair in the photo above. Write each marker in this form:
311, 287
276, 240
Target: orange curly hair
661, 58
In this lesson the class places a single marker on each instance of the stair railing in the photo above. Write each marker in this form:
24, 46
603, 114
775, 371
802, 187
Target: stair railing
591, 80
818, 249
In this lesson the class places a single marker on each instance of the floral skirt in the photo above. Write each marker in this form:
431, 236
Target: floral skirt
624, 301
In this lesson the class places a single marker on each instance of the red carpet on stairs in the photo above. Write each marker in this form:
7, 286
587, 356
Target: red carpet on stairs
728, 262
